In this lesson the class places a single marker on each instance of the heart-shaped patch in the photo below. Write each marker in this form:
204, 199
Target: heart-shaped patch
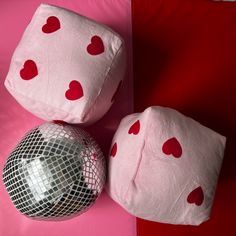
59, 122
96, 46
196, 196
114, 150
29, 70
75, 91
52, 25
117, 90
172, 146
134, 129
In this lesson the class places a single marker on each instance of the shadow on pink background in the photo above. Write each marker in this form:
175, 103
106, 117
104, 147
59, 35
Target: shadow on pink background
105, 217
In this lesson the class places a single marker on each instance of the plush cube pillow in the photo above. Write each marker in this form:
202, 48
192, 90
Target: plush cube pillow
164, 166
66, 67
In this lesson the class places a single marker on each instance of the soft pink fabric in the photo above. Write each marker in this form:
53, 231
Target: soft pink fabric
66, 67
105, 217
164, 166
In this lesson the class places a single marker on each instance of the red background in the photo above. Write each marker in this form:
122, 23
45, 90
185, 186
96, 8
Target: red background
185, 58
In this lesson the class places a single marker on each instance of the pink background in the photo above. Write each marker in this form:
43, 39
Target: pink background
105, 217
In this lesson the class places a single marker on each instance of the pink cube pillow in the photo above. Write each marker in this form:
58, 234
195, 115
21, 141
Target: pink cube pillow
66, 66
164, 166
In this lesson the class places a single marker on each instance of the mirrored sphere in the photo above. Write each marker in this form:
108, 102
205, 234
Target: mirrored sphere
55, 172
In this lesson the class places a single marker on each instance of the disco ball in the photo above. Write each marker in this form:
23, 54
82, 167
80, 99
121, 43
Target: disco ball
55, 172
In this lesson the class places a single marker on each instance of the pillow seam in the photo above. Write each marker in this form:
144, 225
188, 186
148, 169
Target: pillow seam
139, 162
41, 102
83, 117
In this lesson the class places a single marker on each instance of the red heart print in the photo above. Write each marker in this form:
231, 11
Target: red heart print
75, 91
172, 146
134, 129
96, 46
196, 196
29, 70
52, 25
114, 150
117, 90
59, 122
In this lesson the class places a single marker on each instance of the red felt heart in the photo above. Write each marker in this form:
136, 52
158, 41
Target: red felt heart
75, 91
29, 70
117, 90
59, 122
134, 129
196, 196
172, 146
52, 25
114, 150
96, 46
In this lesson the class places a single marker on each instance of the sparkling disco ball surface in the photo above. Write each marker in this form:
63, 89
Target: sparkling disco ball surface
55, 172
